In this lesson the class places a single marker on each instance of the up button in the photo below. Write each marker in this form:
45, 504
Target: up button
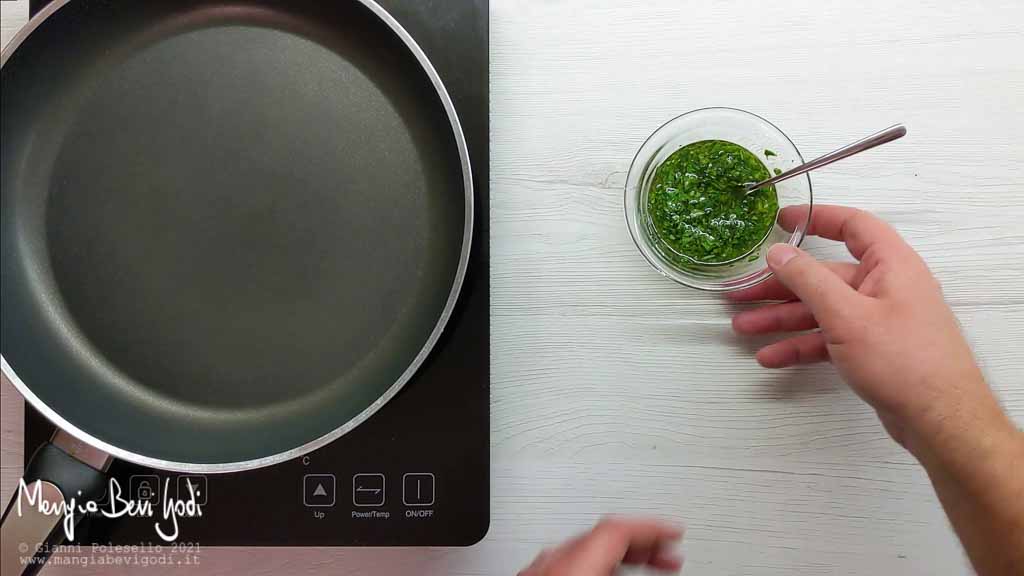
318, 490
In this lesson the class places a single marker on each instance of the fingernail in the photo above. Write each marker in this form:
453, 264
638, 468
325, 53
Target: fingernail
779, 254
738, 322
667, 562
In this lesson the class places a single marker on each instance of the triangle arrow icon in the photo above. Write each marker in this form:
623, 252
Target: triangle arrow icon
319, 490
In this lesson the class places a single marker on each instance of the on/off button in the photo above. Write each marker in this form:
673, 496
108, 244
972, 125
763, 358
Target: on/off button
418, 489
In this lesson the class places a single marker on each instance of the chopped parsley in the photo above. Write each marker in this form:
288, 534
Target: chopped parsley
695, 207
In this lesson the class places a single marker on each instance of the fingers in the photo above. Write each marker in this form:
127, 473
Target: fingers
657, 557
858, 229
773, 289
829, 297
785, 317
666, 561
802, 349
615, 540
612, 542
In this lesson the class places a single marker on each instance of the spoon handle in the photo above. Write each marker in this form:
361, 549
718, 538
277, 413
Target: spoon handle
888, 135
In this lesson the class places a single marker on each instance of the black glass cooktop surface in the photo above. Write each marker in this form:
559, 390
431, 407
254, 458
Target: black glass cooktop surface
415, 473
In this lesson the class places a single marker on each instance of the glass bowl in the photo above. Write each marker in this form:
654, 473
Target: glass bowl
739, 127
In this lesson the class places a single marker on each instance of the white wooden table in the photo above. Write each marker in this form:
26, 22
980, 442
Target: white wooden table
615, 390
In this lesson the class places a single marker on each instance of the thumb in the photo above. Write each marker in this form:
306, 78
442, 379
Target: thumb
827, 295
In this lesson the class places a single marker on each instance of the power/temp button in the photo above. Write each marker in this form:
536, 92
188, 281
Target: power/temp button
368, 490
418, 489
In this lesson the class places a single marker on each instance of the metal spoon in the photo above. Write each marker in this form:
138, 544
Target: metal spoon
888, 135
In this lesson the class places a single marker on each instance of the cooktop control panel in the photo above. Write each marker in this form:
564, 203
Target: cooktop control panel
334, 496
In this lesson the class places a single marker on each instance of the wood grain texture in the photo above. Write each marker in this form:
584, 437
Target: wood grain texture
13, 15
615, 390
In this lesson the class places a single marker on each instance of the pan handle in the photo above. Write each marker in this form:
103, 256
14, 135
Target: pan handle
59, 466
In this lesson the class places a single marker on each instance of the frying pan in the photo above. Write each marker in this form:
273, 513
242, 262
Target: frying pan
231, 230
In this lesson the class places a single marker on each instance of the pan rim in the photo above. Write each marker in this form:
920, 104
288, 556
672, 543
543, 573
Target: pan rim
413, 367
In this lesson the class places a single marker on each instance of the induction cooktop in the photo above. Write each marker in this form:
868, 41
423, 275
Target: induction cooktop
417, 472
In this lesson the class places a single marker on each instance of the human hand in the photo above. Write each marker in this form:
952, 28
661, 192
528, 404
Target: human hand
612, 542
882, 322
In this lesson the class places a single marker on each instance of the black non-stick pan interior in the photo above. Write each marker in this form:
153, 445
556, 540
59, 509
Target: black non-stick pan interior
228, 227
